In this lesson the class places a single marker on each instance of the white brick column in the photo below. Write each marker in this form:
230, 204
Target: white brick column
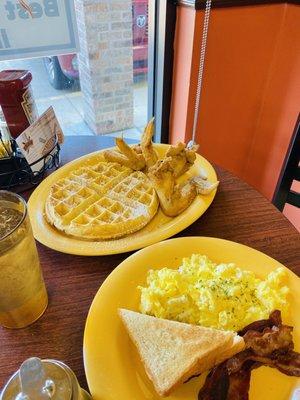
105, 63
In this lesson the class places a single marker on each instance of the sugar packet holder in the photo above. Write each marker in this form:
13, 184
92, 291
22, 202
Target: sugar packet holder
39, 140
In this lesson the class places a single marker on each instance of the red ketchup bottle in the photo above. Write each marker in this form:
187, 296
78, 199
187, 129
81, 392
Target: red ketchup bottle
17, 101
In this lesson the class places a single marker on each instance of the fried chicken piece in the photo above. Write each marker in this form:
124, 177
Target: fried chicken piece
116, 157
182, 157
130, 157
137, 148
136, 159
203, 186
148, 151
174, 198
143, 155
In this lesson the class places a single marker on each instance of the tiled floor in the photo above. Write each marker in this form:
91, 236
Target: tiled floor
68, 104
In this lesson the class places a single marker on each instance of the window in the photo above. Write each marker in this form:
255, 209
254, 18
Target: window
104, 88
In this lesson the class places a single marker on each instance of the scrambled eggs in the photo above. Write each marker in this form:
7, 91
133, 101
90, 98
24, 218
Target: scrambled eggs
221, 296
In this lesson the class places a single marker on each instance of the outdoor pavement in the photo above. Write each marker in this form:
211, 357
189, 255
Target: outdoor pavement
68, 103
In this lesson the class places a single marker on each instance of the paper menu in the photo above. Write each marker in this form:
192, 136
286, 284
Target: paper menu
39, 138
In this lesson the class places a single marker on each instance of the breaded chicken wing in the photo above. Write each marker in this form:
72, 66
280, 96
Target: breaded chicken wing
137, 160
147, 146
129, 156
182, 157
203, 186
174, 198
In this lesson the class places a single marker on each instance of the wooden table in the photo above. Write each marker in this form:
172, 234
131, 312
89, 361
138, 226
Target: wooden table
238, 213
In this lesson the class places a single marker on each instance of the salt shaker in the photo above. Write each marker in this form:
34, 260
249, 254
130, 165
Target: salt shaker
43, 380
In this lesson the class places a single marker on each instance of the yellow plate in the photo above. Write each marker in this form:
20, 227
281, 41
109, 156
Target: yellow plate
111, 362
161, 227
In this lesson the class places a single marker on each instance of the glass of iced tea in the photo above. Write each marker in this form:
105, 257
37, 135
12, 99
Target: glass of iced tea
23, 295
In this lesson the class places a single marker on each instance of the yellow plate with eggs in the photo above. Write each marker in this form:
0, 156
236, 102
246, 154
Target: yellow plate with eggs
160, 227
111, 361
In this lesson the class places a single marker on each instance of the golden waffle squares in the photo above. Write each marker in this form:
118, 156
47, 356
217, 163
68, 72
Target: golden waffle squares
104, 201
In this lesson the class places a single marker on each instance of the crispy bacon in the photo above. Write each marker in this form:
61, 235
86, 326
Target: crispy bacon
271, 339
216, 385
268, 342
258, 326
239, 384
235, 363
220, 385
288, 364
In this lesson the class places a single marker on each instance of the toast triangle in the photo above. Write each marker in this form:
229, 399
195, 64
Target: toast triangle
174, 351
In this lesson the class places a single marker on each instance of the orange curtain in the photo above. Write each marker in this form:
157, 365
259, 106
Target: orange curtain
251, 87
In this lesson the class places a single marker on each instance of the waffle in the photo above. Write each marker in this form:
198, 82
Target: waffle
103, 201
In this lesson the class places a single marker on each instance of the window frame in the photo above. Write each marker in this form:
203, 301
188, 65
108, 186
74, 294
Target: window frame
162, 22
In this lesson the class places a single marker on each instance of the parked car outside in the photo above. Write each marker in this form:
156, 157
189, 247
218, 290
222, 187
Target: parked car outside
63, 70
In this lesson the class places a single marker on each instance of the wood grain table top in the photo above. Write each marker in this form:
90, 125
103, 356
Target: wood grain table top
238, 213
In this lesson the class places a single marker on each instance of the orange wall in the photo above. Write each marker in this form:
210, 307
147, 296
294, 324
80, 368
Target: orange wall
251, 87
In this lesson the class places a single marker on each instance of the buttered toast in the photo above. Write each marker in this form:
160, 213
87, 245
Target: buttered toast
172, 351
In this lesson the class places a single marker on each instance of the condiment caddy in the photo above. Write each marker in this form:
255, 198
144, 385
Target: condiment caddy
18, 112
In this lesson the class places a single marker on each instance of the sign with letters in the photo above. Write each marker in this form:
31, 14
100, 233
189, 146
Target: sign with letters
50, 29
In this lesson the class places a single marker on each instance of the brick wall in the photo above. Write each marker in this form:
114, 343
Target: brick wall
105, 63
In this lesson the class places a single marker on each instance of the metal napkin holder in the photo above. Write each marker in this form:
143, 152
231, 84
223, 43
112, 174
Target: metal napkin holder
17, 174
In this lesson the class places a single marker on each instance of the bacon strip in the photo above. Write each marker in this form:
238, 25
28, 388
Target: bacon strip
268, 342
234, 364
258, 326
288, 364
220, 385
239, 384
216, 385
